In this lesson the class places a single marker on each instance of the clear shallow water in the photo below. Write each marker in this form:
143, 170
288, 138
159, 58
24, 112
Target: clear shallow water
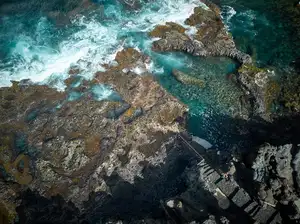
33, 46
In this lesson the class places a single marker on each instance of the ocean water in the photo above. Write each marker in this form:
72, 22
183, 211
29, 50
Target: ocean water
261, 30
35, 45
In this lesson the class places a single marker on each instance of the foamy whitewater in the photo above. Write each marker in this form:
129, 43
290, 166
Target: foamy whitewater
93, 41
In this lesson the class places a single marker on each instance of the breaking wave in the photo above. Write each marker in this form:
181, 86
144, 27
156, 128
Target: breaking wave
44, 53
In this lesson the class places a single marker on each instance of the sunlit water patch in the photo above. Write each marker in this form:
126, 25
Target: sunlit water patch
104, 92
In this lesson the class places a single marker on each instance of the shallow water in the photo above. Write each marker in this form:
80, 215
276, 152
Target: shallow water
33, 46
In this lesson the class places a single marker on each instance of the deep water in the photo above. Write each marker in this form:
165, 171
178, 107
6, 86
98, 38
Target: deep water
39, 42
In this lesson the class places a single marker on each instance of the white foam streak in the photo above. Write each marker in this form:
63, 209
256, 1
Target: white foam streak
92, 45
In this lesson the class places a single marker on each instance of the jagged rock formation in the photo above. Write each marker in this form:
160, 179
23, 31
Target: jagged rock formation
210, 37
272, 167
54, 146
276, 169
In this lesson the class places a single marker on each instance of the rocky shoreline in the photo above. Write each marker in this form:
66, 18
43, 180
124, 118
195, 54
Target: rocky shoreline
128, 159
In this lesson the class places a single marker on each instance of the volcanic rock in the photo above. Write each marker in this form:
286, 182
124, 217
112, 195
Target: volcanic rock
60, 147
211, 37
274, 171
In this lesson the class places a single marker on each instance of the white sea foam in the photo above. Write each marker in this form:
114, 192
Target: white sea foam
94, 43
101, 92
227, 13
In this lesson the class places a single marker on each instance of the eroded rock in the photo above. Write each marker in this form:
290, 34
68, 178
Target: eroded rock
273, 170
211, 37
68, 147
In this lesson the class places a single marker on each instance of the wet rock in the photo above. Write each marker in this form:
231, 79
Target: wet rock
211, 38
131, 114
161, 30
117, 110
24, 98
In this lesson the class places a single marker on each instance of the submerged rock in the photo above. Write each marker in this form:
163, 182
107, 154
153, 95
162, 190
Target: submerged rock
187, 79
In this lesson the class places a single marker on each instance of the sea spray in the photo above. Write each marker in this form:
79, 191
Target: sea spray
87, 42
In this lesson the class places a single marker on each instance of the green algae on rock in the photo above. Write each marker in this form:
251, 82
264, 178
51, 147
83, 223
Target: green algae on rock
260, 85
290, 94
161, 30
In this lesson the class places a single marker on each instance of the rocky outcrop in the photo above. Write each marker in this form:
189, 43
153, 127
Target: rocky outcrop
259, 84
210, 38
60, 147
274, 170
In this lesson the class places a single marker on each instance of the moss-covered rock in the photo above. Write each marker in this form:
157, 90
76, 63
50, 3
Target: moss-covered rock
19, 169
161, 30
92, 145
79, 140
271, 94
8, 213
251, 69
211, 37
169, 113
127, 57
260, 84
290, 94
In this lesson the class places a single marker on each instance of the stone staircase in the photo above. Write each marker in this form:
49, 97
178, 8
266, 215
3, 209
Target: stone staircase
229, 193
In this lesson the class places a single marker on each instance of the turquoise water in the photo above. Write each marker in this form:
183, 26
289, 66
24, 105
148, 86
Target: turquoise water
35, 45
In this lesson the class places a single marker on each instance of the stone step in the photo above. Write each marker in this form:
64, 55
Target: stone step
241, 198
227, 187
264, 214
228, 191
